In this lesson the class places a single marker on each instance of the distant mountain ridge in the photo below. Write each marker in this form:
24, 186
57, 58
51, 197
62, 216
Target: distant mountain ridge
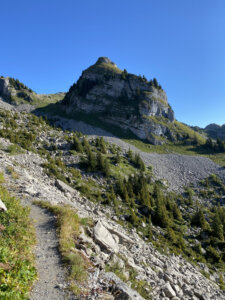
215, 131
15, 92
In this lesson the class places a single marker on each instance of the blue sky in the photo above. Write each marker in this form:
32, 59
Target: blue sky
47, 43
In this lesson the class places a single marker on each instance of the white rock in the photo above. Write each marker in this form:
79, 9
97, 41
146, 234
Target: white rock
65, 188
169, 292
2, 206
104, 238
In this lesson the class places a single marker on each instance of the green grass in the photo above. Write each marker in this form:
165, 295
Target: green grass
105, 67
179, 148
39, 100
14, 149
17, 238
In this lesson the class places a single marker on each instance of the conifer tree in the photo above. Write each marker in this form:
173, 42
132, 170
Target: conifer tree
217, 226
77, 145
91, 161
198, 219
102, 146
106, 167
86, 146
130, 154
100, 161
117, 158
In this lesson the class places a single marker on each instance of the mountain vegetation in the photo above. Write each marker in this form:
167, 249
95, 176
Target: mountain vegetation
121, 202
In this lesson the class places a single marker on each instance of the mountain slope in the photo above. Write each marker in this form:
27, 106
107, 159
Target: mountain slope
143, 221
16, 93
215, 131
127, 101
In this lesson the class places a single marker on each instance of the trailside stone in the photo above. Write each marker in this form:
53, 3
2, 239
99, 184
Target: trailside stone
2, 206
120, 290
169, 292
104, 238
65, 188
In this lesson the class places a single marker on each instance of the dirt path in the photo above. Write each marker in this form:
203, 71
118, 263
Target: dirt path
51, 282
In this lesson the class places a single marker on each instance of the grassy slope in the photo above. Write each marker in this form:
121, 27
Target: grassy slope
39, 100
17, 238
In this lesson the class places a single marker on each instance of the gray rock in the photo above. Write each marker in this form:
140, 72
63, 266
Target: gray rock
65, 188
120, 290
169, 292
105, 238
146, 102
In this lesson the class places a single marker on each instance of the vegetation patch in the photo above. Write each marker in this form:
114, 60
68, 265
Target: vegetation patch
17, 238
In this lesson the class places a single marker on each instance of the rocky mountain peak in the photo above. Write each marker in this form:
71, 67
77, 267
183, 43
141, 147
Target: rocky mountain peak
123, 99
104, 59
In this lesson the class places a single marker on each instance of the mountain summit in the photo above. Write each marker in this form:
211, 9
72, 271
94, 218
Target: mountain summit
126, 100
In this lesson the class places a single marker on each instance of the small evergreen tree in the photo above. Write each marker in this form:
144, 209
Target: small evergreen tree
217, 226
76, 145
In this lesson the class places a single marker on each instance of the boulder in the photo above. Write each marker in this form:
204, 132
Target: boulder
65, 188
119, 289
104, 238
169, 292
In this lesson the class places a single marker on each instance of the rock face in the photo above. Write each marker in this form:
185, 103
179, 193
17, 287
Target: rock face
4, 87
125, 100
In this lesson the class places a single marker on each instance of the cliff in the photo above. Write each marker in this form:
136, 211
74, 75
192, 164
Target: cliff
123, 99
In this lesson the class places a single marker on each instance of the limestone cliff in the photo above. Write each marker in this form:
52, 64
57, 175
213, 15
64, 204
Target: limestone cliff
123, 99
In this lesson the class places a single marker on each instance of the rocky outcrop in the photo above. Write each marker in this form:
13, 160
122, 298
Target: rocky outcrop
22, 98
215, 131
4, 87
105, 238
125, 100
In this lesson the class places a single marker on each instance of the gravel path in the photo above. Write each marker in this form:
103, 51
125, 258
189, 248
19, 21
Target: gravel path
178, 170
50, 271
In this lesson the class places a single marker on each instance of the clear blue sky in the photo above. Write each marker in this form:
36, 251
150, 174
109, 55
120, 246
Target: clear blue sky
47, 43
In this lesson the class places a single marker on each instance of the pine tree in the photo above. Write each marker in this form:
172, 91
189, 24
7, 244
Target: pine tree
139, 162
130, 154
198, 219
100, 161
91, 161
133, 216
86, 146
76, 145
176, 213
155, 82
103, 146
106, 168
217, 226
209, 144
117, 158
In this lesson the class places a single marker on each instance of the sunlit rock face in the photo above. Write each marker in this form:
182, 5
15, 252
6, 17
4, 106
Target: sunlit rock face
122, 99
